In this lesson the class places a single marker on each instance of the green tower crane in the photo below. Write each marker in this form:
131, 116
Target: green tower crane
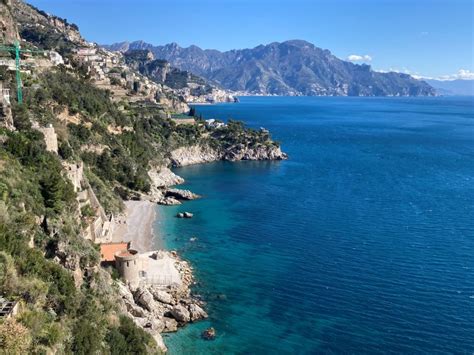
16, 49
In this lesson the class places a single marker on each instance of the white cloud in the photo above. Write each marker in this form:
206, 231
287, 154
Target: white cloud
462, 74
359, 58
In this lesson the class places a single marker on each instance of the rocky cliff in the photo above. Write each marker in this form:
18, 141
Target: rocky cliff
198, 154
8, 29
289, 68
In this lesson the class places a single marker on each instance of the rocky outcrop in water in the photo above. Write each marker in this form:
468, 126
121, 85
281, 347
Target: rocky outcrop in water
198, 154
181, 194
163, 309
195, 154
262, 152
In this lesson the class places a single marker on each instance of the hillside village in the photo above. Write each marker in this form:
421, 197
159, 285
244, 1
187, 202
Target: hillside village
91, 133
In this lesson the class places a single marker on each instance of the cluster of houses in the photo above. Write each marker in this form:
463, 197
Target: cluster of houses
194, 95
108, 71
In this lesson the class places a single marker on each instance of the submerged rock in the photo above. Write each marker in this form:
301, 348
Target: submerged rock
209, 334
188, 215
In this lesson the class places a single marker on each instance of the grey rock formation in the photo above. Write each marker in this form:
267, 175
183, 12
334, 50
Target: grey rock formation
198, 154
196, 312
8, 29
169, 201
163, 177
144, 298
135, 310
194, 154
181, 194
171, 325
161, 296
181, 314
261, 152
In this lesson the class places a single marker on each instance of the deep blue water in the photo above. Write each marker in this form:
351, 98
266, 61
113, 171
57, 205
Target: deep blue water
362, 242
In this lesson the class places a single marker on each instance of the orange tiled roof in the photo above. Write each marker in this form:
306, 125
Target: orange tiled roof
108, 250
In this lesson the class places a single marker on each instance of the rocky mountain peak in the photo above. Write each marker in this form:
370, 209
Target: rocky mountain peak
293, 67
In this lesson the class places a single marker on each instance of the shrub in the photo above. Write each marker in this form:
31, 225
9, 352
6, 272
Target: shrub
127, 338
14, 337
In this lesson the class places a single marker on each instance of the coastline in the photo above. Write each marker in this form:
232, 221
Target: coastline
157, 295
163, 302
135, 225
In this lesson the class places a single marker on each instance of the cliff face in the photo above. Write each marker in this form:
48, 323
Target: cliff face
8, 29
195, 154
37, 26
289, 68
198, 154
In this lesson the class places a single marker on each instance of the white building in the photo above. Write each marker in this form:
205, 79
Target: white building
214, 123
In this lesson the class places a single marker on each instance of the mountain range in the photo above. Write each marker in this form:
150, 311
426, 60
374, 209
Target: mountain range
464, 87
294, 67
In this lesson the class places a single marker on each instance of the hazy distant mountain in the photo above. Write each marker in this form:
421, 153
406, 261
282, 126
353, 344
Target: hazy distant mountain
289, 68
453, 87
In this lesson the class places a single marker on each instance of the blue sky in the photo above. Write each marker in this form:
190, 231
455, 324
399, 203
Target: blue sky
431, 38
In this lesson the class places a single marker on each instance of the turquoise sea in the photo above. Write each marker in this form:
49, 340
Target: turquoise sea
362, 242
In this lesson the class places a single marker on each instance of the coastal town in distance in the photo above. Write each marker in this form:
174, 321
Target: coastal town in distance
174, 182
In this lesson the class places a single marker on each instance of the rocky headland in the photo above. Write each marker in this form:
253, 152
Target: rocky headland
163, 309
198, 154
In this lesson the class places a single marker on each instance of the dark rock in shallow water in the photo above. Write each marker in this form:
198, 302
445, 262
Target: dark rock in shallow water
179, 194
180, 215
209, 334
188, 215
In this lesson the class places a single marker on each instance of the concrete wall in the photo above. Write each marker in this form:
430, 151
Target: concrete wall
50, 138
75, 173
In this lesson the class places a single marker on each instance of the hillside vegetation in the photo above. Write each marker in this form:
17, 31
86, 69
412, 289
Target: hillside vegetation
68, 303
